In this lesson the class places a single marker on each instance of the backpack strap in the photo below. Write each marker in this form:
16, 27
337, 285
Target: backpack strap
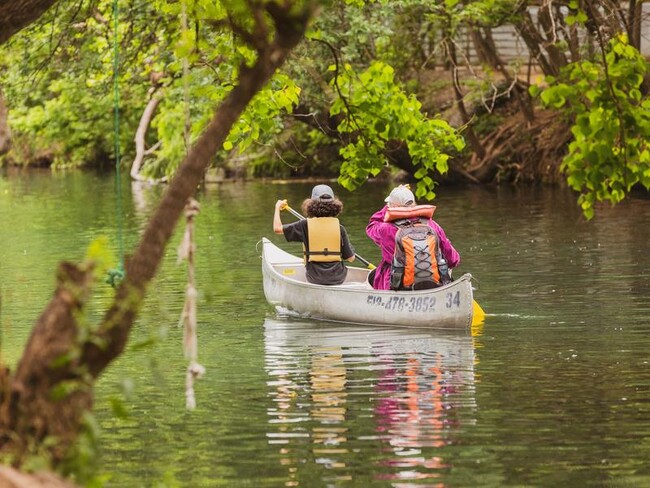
401, 222
409, 222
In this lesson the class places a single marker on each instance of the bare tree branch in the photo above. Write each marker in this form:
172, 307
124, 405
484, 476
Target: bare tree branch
140, 135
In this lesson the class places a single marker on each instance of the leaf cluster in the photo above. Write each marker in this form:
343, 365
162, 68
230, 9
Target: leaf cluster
610, 152
376, 111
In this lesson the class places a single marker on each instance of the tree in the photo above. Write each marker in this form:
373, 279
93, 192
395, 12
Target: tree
609, 153
381, 120
17, 14
52, 387
5, 133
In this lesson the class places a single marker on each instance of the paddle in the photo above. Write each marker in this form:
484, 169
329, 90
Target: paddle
478, 313
478, 316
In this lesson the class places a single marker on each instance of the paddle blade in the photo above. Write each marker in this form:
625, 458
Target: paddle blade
478, 316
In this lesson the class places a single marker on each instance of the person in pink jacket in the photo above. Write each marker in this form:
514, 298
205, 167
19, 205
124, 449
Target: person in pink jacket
383, 234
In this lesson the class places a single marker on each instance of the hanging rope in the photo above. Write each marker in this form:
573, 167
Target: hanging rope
116, 275
186, 251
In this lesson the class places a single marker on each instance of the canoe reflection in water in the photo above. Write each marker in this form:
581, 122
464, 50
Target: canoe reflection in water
362, 403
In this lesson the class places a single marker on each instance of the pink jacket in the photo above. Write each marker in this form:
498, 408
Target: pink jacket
383, 234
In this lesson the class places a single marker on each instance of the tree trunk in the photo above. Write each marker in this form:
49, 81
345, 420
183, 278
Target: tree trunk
604, 18
54, 356
485, 45
634, 23
140, 140
474, 141
30, 407
549, 21
573, 40
534, 41
17, 14
5, 133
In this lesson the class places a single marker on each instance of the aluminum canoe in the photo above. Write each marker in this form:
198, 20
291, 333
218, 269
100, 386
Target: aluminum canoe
355, 301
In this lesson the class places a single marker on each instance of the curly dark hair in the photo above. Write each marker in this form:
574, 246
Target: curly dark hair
322, 208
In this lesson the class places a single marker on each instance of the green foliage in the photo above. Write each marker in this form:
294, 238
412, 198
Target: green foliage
377, 112
405, 34
54, 116
58, 78
81, 463
610, 152
214, 59
451, 15
72, 123
261, 119
101, 255
487, 13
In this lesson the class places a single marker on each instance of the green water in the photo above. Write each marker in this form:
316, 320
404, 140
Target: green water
554, 391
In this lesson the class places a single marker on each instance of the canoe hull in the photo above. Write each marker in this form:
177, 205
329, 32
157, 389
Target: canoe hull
355, 301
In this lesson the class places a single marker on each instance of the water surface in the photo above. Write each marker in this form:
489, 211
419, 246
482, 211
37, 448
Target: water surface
554, 390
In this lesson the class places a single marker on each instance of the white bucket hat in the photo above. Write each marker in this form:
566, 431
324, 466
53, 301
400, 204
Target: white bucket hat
401, 196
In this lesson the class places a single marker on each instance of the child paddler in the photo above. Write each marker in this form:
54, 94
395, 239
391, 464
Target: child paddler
325, 241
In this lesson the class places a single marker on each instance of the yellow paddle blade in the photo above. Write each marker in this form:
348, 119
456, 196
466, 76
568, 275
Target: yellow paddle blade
478, 316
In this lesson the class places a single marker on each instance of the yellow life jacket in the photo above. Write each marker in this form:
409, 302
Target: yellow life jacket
324, 237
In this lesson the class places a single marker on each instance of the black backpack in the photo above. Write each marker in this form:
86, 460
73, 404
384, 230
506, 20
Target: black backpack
417, 263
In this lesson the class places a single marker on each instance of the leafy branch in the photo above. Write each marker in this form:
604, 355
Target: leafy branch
610, 152
388, 117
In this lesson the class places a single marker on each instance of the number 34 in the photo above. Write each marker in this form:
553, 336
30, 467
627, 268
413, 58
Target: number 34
453, 299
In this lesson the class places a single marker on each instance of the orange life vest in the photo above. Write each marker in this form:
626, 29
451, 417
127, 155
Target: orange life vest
396, 213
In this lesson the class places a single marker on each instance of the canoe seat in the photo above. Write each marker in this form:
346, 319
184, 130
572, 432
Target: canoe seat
362, 285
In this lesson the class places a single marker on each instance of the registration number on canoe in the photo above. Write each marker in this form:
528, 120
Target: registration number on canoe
414, 304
